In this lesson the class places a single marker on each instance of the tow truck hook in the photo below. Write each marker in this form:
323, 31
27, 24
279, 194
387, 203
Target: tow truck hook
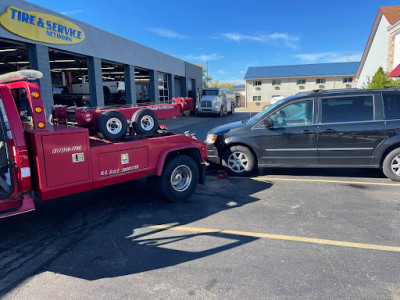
191, 135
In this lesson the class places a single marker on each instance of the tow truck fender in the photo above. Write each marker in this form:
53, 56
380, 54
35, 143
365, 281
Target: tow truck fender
165, 152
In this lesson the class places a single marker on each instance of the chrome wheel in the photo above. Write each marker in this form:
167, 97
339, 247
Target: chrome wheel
114, 126
147, 123
181, 178
395, 165
238, 162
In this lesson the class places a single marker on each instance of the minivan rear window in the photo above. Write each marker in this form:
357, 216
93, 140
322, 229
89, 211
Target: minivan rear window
347, 109
392, 106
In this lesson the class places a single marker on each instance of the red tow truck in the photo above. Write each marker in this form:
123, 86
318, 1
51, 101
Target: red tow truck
46, 161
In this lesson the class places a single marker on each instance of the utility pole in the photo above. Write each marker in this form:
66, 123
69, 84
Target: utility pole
207, 75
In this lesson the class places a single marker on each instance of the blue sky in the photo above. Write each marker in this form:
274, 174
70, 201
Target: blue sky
233, 35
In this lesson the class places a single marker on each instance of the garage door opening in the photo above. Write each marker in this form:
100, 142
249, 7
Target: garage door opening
13, 56
142, 82
69, 78
113, 83
163, 89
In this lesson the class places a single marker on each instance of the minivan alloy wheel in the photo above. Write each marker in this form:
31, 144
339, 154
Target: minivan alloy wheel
395, 165
237, 162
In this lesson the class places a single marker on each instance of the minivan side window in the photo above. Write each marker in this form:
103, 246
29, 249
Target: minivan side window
392, 106
294, 114
347, 109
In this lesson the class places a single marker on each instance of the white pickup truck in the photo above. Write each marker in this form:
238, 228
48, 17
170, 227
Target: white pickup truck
80, 85
111, 89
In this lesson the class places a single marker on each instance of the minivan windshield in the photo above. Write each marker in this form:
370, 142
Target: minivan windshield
266, 111
210, 92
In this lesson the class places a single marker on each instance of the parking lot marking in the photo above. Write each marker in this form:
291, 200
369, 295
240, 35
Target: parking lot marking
324, 181
281, 237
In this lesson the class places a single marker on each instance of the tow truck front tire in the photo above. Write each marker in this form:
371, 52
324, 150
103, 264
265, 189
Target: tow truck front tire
112, 125
179, 178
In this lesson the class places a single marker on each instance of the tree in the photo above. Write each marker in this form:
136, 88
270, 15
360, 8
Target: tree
206, 79
380, 80
221, 84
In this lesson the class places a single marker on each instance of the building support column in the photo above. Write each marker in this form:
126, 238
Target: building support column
130, 85
184, 87
95, 81
154, 86
171, 86
39, 60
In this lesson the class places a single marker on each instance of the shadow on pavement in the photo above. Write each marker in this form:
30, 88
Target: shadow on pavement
107, 232
328, 172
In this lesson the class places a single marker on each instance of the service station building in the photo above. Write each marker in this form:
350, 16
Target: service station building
87, 60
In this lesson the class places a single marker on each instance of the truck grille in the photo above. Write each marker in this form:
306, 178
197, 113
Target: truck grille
206, 104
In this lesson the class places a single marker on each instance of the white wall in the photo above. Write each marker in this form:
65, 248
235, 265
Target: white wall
377, 55
396, 58
289, 87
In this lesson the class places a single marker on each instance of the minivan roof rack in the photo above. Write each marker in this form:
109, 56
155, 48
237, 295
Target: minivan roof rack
395, 86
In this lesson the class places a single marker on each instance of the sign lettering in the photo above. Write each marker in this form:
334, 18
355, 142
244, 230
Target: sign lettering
41, 27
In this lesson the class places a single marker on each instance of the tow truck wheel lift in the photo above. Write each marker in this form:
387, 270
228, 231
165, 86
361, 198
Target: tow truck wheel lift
47, 161
114, 123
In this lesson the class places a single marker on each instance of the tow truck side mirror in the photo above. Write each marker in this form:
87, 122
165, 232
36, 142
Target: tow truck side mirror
268, 122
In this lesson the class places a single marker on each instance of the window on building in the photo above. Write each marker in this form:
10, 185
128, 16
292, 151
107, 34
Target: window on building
256, 98
163, 87
256, 83
320, 81
347, 109
347, 79
392, 106
301, 81
276, 82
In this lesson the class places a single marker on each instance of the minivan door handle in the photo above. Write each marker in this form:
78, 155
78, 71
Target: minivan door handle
307, 131
328, 131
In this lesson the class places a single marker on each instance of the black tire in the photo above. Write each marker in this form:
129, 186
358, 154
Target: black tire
221, 112
184, 166
112, 125
232, 109
239, 161
391, 165
108, 98
145, 122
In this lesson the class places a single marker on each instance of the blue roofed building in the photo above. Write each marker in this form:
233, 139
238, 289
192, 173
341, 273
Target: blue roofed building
267, 84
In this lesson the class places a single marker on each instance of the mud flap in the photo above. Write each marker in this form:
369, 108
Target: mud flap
202, 177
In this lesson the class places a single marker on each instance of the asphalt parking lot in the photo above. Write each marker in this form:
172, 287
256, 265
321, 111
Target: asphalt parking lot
286, 234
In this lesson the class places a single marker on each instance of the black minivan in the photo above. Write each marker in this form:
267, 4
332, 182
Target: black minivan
338, 128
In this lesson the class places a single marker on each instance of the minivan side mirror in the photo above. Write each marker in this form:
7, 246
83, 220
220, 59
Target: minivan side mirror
268, 122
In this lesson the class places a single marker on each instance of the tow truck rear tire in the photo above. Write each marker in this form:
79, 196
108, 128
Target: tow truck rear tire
145, 122
179, 178
112, 125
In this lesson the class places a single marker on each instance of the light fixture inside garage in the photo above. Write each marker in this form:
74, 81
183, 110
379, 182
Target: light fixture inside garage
62, 60
8, 50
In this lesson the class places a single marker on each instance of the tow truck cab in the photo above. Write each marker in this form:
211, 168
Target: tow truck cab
49, 161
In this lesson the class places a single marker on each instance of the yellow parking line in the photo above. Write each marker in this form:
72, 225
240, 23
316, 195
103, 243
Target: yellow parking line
323, 180
281, 237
